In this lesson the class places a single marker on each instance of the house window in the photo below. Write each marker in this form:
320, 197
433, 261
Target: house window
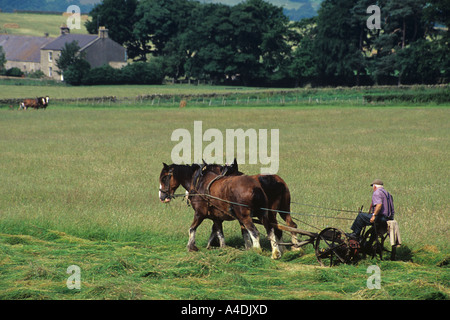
50, 56
50, 71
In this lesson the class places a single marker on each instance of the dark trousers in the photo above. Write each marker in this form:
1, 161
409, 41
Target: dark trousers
363, 219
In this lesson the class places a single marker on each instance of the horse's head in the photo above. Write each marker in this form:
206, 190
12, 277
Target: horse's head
215, 168
231, 169
47, 98
168, 183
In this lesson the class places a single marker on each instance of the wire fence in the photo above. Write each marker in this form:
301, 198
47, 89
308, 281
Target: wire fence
349, 96
204, 101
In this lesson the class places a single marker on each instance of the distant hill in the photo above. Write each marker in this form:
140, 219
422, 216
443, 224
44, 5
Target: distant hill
38, 25
46, 5
294, 9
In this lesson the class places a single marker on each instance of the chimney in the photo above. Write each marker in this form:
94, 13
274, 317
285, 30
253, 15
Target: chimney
64, 29
102, 33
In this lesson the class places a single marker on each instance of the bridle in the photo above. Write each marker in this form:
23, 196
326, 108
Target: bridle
167, 191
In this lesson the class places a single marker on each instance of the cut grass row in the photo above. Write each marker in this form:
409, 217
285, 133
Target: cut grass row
34, 267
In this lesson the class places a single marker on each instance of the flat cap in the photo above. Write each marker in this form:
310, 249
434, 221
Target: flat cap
376, 181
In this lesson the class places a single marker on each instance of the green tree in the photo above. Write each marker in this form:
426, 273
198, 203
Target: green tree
214, 40
76, 73
2, 60
358, 22
403, 24
419, 63
151, 72
70, 54
303, 65
161, 25
259, 40
158, 21
437, 12
116, 16
71, 63
209, 43
337, 44
177, 49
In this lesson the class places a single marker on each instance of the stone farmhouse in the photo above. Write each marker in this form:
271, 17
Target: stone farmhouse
23, 52
40, 53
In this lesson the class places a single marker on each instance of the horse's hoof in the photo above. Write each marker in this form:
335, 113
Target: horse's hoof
276, 255
192, 249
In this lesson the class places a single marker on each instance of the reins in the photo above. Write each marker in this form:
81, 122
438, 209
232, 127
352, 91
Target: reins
273, 210
207, 197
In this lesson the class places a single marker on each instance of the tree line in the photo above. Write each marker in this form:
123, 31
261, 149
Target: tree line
254, 43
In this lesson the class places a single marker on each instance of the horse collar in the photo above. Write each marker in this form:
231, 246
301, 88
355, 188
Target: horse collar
211, 182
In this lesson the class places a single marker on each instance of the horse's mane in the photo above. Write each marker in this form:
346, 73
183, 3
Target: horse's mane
196, 176
181, 167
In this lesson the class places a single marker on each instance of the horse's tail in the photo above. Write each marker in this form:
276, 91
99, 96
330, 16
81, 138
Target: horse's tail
259, 203
285, 200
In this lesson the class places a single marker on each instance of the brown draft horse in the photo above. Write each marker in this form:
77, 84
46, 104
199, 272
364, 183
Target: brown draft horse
233, 197
274, 187
278, 197
174, 175
243, 197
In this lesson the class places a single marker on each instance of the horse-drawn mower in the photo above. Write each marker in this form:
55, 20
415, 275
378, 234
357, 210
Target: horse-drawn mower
333, 246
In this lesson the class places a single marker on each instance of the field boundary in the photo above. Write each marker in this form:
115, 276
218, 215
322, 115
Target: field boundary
355, 95
223, 99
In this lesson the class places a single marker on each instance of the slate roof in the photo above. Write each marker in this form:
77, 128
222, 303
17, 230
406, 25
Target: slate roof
23, 48
58, 43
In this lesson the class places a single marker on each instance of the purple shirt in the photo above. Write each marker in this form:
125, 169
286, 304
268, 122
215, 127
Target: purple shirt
381, 196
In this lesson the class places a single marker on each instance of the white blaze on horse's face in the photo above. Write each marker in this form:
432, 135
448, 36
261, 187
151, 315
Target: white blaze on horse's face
46, 99
160, 198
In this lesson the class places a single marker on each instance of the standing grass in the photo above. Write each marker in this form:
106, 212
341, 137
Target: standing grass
79, 186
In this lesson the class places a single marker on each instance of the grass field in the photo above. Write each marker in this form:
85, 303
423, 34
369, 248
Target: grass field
26, 88
13, 91
31, 24
79, 185
122, 91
